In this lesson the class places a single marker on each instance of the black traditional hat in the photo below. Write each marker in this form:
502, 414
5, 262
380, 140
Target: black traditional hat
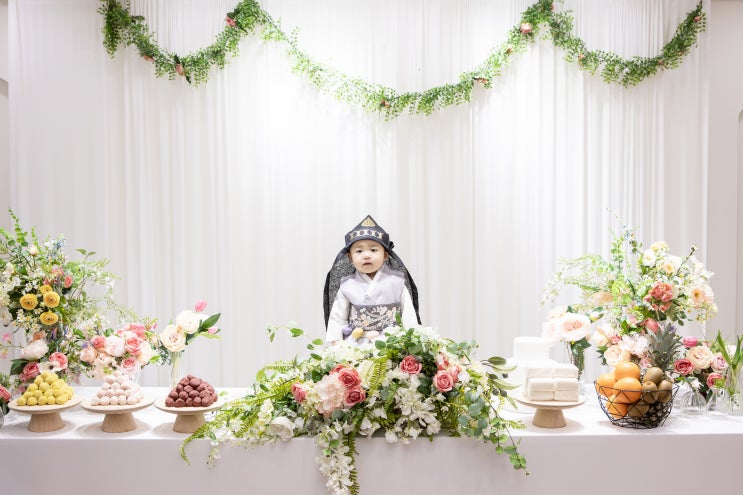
342, 267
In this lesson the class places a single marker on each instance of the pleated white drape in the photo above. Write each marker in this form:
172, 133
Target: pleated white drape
239, 191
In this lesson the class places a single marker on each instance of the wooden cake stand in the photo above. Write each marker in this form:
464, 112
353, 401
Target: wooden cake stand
549, 413
118, 419
188, 419
45, 418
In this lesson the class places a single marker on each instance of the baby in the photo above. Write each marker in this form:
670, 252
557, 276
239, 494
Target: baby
367, 286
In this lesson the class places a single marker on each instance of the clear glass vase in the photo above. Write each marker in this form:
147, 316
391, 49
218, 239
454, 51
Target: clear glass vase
694, 403
716, 404
734, 393
175, 365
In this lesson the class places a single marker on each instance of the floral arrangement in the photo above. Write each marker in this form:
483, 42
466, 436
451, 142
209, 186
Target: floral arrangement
52, 304
128, 349
702, 364
188, 325
408, 383
633, 297
571, 328
121, 27
4, 393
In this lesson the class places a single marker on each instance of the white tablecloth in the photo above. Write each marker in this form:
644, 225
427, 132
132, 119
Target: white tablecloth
589, 455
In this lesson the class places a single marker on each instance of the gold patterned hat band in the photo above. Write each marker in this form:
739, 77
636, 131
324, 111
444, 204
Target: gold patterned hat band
369, 229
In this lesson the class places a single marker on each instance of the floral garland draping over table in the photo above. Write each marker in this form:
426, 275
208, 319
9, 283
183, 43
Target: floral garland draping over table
121, 27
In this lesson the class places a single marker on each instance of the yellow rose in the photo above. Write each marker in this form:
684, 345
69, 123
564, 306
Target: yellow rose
51, 299
45, 288
29, 301
49, 318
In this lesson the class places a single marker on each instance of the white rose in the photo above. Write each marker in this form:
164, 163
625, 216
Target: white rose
35, 350
573, 327
173, 338
649, 258
189, 321
145, 353
671, 264
115, 346
281, 427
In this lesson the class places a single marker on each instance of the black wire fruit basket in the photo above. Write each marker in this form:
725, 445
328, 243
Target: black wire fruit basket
636, 409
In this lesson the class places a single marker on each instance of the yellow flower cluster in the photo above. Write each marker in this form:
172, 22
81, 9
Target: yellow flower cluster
50, 299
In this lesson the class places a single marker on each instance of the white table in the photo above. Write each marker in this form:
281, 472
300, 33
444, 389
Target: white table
589, 455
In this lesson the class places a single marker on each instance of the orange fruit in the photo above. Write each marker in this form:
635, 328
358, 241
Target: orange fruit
604, 384
615, 408
628, 390
627, 369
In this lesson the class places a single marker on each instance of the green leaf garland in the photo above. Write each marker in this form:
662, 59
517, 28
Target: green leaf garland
540, 19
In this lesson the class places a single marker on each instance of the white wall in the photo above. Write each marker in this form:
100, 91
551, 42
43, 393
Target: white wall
725, 210
4, 111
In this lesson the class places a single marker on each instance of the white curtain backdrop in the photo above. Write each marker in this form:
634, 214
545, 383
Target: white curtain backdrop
239, 191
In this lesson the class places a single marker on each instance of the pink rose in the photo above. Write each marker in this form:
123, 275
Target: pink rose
525, 28
67, 282
718, 363
443, 381
88, 354
354, 396
712, 378
179, 69
651, 325
4, 394
690, 341
454, 372
199, 306
410, 365
683, 366
99, 341
230, 22
60, 358
349, 377
299, 393
137, 328
130, 365
133, 345
30, 371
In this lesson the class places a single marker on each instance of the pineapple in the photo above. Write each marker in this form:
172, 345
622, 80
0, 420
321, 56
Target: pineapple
664, 347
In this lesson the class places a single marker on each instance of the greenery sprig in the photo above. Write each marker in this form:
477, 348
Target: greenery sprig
541, 19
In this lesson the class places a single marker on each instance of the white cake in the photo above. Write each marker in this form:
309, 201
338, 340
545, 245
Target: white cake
117, 390
539, 377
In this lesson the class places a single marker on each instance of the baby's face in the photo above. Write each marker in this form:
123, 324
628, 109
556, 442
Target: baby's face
367, 256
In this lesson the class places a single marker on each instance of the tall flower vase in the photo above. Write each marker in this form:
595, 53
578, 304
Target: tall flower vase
576, 353
175, 365
734, 395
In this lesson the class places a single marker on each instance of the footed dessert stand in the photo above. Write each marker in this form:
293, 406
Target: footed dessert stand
118, 419
45, 418
188, 419
548, 413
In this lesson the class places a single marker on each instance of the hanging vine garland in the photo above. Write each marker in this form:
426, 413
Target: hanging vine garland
541, 18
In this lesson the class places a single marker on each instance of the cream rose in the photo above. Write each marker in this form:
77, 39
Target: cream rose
88, 354
281, 427
35, 350
173, 338
700, 356
115, 346
615, 355
188, 321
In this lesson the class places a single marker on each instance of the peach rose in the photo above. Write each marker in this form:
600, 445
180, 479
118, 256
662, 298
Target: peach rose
410, 365
88, 354
443, 381
354, 396
99, 341
173, 338
133, 345
130, 365
615, 355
